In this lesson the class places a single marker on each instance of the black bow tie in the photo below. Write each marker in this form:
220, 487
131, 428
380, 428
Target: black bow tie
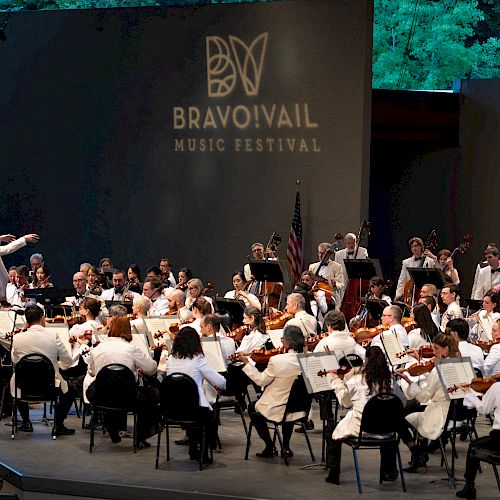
350, 253
418, 258
497, 270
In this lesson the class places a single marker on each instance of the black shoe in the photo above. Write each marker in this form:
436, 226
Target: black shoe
468, 492
464, 432
184, 441
143, 444
417, 462
25, 427
267, 453
309, 427
390, 476
114, 435
62, 431
287, 452
207, 460
333, 477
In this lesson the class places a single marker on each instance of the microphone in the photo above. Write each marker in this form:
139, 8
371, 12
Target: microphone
19, 311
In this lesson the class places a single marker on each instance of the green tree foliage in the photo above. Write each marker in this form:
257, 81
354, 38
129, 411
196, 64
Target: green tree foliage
426, 44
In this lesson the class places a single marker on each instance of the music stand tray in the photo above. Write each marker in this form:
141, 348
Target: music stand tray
234, 307
364, 269
426, 276
266, 270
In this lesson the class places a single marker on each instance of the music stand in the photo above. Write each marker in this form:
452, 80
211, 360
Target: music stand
473, 304
233, 307
362, 270
266, 271
127, 303
375, 307
426, 276
49, 297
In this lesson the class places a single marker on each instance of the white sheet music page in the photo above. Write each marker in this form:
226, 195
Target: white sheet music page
213, 353
453, 372
158, 324
6, 323
313, 363
275, 336
393, 348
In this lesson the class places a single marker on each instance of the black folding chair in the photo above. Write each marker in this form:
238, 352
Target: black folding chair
114, 393
299, 401
381, 419
34, 383
180, 405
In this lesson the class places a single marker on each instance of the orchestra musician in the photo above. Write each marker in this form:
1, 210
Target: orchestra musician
85, 266
444, 262
416, 260
391, 317
12, 246
449, 296
200, 308
106, 264
10, 289
258, 337
94, 279
22, 283
426, 328
210, 326
460, 331
277, 378
152, 289
431, 304
176, 301
489, 276
377, 288
349, 252
134, 278
330, 270
81, 289
41, 278
257, 254
36, 260
139, 329
295, 304
486, 316
167, 277
40, 340
183, 276
195, 290
239, 282
480, 266
187, 357
317, 298
492, 360
119, 291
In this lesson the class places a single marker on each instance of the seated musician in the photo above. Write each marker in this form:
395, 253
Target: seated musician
40, 340
36, 260
200, 307
117, 348
95, 280
183, 276
460, 330
152, 289
195, 290
391, 317
416, 260
22, 283
187, 357
258, 337
176, 301
430, 302
377, 288
140, 308
449, 296
339, 339
330, 270
489, 405
117, 292
106, 264
295, 304
426, 328
239, 291
492, 360
210, 326
134, 278
277, 378
167, 276
318, 301
486, 316
41, 278
488, 277
444, 262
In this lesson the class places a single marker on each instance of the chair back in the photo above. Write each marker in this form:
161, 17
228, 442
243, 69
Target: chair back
115, 387
179, 398
299, 399
382, 414
35, 378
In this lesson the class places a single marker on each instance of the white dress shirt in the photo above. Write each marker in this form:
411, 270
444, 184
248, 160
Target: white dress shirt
159, 307
485, 281
340, 343
254, 340
344, 254
332, 271
488, 405
474, 352
492, 361
112, 294
399, 329
453, 311
6, 250
482, 329
305, 322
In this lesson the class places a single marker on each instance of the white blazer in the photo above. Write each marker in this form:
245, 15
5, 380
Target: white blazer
6, 250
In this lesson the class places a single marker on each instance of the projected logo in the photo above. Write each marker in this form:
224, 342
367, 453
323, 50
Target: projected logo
226, 62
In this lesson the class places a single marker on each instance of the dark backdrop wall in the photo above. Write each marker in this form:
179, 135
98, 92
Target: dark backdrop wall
101, 108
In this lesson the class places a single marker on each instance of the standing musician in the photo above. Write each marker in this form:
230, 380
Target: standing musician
258, 337
152, 289
119, 290
416, 260
167, 276
449, 295
258, 253
486, 316
40, 340
330, 270
12, 246
391, 317
239, 283
277, 378
492, 361
444, 262
349, 252
489, 276
10, 289
295, 304
480, 266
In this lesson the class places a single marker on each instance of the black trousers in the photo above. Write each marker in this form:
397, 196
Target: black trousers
208, 417
260, 424
490, 442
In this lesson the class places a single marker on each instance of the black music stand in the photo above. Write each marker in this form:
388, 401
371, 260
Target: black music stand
233, 307
375, 307
362, 270
426, 276
266, 271
49, 297
127, 303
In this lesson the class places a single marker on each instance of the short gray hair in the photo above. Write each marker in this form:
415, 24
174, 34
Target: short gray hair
117, 310
143, 303
299, 300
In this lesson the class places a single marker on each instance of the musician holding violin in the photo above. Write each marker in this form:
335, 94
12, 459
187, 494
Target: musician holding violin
391, 319
295, 304
426, 329
152, 289
277, 378
119, 291
199, 308
444, 262
183, 276
194, 290
492, 361
460, 331
42, 279
257, 337
239, 292
22, 283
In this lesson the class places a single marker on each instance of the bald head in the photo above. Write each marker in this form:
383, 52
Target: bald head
176, 299
80, 282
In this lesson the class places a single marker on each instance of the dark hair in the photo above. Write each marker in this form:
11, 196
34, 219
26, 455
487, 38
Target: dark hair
241, 274
104, 259
13, 268
120, 327
186, 344
22, 271
258, 318
294, 337
452, 288
424, 321
93, 305
444, 251
33, 314
155, 270
447, 340
213, 320
203, 305
46, 272
135, 269
94, 270
495, 298
460, 327
187, 272
155, 282
308, 273
335, 320
429, 300
119, 271
167, 260
377, 281
417, 240
493, 250
377, 374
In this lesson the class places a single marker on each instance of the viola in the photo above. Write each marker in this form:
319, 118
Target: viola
364, 336
409, 324
275, 321
418, 369
238, 334
263, 356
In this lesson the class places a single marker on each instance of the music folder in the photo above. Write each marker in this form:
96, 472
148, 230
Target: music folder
50, 295
427, 276
213, 353
453, 372
313, 363
394, 350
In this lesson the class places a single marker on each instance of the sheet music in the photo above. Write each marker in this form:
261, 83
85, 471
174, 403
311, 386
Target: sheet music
159, 323
394, 348
6, 322
213, 353
313, 363
276, 336
453, 372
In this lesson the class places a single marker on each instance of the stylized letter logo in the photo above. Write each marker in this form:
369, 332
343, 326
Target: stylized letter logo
247, 63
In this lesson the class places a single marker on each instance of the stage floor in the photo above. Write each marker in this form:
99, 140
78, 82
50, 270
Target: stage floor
44, 468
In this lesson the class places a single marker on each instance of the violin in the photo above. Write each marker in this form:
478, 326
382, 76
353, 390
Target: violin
263, 356
481, 385
312, 342
409, 324
57, 319
208, 288
364, 336
182, 286
132, 316
238, 334
76, 320
486, 345
277, 320
340, 371
87, 335
418, 369
15, 332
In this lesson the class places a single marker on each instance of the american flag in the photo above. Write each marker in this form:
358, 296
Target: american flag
295, 249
